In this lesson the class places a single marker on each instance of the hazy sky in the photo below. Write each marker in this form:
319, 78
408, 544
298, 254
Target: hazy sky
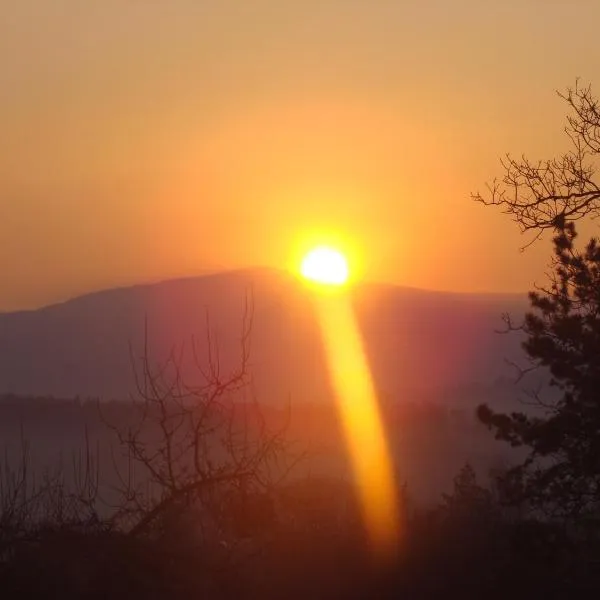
145, 139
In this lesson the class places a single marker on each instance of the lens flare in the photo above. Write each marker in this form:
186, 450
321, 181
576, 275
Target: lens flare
364, 432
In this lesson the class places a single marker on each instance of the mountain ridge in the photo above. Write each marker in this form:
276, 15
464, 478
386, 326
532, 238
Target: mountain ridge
412, 337
254, 271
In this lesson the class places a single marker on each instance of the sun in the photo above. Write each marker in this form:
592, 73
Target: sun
325, 265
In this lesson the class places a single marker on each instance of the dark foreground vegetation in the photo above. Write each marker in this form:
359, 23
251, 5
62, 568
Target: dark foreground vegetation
470, 547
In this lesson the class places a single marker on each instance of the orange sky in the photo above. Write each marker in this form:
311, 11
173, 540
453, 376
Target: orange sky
145, 139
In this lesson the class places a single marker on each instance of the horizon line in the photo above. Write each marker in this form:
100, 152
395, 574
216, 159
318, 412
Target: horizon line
207, 273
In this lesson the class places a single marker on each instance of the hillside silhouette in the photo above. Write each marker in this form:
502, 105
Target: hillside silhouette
416, 341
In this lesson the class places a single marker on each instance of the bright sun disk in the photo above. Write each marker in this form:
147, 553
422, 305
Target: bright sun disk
326, 266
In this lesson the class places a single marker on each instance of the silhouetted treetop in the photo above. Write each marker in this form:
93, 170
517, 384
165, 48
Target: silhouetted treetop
563, 335
544, 194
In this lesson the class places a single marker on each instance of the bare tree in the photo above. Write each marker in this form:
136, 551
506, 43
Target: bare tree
35, 505
200, 446
544, 194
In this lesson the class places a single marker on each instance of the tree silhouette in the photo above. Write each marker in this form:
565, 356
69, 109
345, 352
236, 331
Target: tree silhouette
562, 470
543, 194
561, 473
205, 456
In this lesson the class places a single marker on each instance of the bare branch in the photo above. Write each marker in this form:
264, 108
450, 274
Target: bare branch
545, 194
194, 441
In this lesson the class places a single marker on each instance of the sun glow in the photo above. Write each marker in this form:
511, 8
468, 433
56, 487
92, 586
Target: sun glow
326, 266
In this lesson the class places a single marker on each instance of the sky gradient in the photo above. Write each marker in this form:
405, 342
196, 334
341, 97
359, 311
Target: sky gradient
143, 140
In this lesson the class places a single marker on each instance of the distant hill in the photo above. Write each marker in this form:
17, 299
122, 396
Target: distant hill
415, 340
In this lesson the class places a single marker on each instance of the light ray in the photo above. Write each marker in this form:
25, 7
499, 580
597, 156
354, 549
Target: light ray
363, 429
